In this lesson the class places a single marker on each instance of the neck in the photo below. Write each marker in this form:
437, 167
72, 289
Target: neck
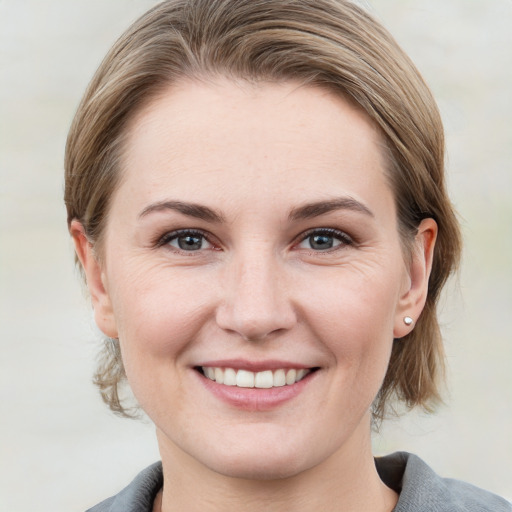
346, 481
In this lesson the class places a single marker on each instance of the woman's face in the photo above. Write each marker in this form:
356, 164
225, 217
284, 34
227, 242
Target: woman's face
253, 242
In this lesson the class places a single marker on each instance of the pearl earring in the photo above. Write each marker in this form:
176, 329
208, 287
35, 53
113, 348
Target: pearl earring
408, 320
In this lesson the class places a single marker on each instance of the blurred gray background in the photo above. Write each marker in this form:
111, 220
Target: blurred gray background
60, 448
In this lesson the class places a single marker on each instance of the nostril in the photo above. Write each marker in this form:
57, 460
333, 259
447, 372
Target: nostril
256, 301
258, 322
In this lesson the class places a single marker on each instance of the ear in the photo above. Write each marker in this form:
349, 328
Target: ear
103, 311
414, 296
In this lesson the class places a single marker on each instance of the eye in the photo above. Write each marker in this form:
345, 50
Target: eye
324, 240
186, 240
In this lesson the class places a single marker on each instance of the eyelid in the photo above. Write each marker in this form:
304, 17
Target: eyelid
169, 236
344, 237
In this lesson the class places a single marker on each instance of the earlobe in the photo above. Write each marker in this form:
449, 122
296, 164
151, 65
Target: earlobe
103, 312
413, 299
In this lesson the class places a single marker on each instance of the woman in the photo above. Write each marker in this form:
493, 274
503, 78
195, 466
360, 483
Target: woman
256, 195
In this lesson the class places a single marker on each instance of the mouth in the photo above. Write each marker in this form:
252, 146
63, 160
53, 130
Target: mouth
265, 379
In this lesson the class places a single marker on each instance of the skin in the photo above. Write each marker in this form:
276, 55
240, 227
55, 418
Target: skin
257, 288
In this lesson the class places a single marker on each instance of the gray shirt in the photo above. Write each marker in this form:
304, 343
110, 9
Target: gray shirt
420, 490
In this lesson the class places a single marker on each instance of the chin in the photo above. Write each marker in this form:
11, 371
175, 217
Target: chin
259, 470
262, 463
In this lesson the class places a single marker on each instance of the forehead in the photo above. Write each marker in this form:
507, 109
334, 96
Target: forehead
200, 139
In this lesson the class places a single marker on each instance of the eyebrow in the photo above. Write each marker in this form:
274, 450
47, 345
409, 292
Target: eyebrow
311, 210
306, 211
190, 209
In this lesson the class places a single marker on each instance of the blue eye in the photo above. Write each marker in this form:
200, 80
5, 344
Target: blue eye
324, 239
186, 240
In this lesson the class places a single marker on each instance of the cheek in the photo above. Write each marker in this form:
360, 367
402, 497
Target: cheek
354, 319
158, 313
354, 308
158, 319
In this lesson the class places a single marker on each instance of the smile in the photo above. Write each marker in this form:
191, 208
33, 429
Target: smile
246, 379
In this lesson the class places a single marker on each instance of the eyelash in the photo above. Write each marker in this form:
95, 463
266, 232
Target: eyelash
174, 235
342, 237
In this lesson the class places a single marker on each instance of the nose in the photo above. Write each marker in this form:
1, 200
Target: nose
256, 302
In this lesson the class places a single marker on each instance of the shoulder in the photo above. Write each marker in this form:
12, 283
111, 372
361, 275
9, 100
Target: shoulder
138, 496
421, 489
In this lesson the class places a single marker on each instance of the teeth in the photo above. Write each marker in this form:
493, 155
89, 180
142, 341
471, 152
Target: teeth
301, 374
219, 375
246, 379
264, 379
229, 377
279, 378
291, 376
209, 372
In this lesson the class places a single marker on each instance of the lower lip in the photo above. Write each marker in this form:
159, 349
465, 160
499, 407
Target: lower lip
256, 399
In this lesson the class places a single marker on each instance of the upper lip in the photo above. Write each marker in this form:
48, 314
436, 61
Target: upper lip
254, 366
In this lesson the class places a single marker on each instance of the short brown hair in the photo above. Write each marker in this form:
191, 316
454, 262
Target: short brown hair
329, 43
